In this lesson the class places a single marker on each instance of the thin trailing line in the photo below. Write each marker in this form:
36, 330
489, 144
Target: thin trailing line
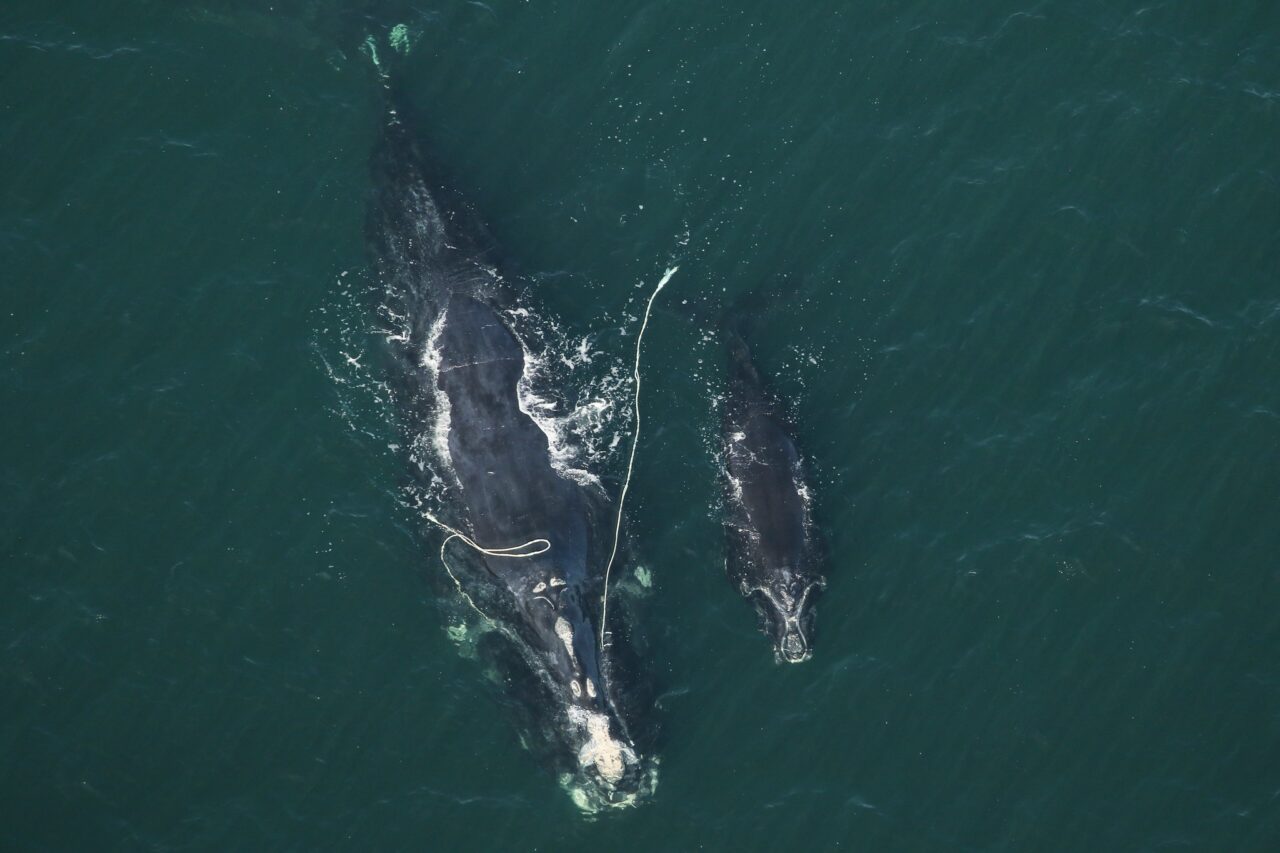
539, 546
514, 552
635, 442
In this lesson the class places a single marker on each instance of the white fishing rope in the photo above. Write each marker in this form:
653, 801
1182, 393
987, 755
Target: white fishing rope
540, 545
635, 441
514, 552
401, 40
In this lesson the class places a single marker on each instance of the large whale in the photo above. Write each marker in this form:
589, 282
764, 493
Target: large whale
531, 541
774, 554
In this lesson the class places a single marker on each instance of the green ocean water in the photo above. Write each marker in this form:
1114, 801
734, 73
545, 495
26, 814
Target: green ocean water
1013, 267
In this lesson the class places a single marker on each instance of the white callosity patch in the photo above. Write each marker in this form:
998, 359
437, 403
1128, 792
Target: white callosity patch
608, 756
788, 607
565, 632
401, 39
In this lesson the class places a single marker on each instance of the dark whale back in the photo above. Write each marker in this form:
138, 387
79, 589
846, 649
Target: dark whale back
499, 454
774, 553
426, 243
764, 463
462, 365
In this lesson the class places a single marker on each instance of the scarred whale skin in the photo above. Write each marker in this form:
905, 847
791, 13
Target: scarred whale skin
463, 365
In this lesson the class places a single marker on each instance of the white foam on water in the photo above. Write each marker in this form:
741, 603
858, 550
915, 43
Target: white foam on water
541, 409
581, 410
439, 430
735, 488
798, 471
576, 398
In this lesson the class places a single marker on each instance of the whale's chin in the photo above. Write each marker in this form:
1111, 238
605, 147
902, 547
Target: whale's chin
593, 794
609, 773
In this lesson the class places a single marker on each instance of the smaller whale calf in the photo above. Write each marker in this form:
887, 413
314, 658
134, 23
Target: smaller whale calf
773, 550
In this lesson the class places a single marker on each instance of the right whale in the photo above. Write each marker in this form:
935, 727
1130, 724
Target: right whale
774, 555
524, 542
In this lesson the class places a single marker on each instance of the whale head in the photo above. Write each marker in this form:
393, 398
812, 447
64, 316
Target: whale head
601, 767
786, 611
605, 768
609, 772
